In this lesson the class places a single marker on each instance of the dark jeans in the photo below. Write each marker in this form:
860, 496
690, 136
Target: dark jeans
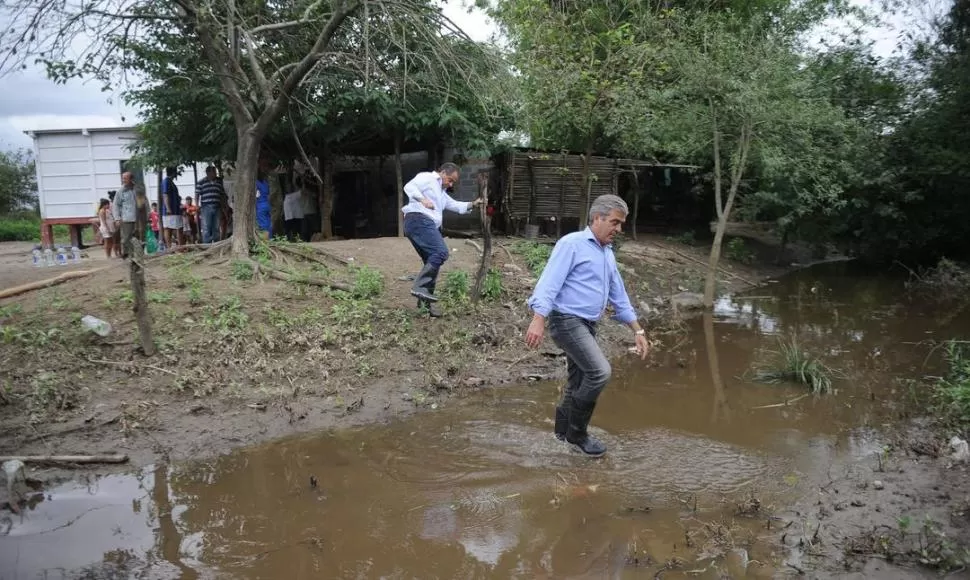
292, 229
210, 223
427, 241
311, 225
588, 369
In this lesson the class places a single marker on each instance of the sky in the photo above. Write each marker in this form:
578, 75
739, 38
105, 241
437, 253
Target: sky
29, 101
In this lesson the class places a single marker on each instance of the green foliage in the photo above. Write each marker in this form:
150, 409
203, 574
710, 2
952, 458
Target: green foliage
241, 270
119, 298
226, 317
952, 392
368, 283
455, 289
796, 365
19, 229
535, 255
738, 251
492, 285
686, 238
157, 297
18, 185
48, 393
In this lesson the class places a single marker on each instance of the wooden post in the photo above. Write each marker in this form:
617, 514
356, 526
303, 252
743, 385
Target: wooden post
532, 193
400, 184
142, 316
562, 196
636, 202
486, 261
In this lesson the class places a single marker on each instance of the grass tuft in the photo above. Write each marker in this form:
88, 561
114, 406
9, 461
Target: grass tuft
794, 364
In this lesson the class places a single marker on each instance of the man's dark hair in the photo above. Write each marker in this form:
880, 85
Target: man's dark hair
171, 171
449, 169
211, 168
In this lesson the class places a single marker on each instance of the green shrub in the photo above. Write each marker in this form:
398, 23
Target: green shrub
241, 270
535, 255
19, 230
492, 286
738, 251
952, 392
368, 283
455, 290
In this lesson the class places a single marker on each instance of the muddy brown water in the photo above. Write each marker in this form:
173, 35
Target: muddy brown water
480, 489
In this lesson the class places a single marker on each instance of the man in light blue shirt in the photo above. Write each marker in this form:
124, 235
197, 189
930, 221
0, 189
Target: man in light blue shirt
578, 282
422, 222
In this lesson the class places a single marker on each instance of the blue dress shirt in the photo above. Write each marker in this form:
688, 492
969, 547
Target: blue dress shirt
579, 279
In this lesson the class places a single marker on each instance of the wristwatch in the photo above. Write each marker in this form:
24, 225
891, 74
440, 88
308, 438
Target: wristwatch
640, 332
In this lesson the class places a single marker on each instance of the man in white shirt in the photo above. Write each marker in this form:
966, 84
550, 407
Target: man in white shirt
422, 224
293, 212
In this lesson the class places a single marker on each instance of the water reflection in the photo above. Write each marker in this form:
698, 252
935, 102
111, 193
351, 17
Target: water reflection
482, 490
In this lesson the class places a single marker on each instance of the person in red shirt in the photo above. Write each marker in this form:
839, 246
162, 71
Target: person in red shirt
190, 223
153, 217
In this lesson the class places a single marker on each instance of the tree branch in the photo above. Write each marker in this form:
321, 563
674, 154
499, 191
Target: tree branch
290, 24
717, 161
306, 64
262, 83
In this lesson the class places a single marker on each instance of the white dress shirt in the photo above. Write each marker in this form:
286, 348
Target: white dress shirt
427, 185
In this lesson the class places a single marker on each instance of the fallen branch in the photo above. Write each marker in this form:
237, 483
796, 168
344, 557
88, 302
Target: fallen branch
75, 429
133, 364
784, 404
706, 265
79, 459
474, 245
24, 288
288, 277
312, 255
509, 253
518, 360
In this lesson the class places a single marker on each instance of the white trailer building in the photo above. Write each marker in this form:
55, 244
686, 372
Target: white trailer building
78, 167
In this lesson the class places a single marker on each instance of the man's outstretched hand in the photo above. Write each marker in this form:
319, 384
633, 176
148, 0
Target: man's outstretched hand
533, 336
642, 346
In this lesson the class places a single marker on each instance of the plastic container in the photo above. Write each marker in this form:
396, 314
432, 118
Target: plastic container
61, 257
48, 257
75, 255
96, 325
38, 258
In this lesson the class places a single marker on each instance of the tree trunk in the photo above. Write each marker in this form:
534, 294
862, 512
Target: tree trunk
398, 175
723, 213
326, 207
142, 316
244, 184
486, 261
588, 181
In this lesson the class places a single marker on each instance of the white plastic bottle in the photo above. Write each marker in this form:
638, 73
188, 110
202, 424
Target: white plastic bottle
61, 257
96, 325
75, 255
37, 257
48, 257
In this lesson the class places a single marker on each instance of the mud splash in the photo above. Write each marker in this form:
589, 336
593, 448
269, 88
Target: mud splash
700, 457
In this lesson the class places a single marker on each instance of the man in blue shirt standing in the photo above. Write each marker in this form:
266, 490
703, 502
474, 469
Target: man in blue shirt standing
579, 280
422, 222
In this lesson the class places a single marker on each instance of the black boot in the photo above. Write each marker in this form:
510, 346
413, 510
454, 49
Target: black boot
424, 282
562, 421
580, 412
430, 307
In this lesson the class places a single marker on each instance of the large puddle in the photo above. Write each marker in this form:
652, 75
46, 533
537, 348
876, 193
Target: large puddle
480, 489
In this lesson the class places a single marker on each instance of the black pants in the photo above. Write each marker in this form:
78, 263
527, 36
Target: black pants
292, 228
310, 226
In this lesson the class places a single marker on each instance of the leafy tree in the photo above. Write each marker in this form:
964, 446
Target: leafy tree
736, 98
18, 182
261, 55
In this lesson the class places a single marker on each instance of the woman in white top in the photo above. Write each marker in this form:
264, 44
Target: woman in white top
293, 213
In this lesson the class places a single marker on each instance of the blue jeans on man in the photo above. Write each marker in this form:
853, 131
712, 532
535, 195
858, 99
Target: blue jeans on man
210, 222
424, 235
588, 371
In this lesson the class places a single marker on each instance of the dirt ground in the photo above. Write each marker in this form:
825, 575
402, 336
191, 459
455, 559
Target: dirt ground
242, 361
